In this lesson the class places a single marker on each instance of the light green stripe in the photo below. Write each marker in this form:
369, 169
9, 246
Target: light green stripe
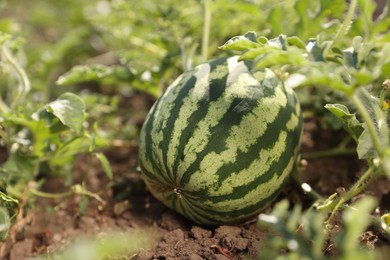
292, 122
236, 88
257, 168
262, 192
190, 106
241, 137
161, 115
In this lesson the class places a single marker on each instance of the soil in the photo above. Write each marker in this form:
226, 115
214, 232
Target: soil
45, 226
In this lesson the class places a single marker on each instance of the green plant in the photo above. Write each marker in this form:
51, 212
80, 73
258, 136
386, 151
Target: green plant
301, 233
41, 140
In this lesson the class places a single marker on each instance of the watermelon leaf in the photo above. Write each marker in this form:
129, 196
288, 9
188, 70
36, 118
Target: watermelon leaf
82, 73
349, 121
242, 42
379, 119
69, 109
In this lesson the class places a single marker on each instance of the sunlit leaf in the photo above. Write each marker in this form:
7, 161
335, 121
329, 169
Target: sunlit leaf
292, 57
69, 109
67, 150
379, 119
242, 42
350, 123
83, 73
256, 52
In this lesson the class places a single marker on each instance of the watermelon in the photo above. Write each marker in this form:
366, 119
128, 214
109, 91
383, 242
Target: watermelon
221, 142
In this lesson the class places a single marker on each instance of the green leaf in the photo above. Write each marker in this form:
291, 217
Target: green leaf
349, 121
5, 223
9, 203
67, 150
242, 42
356, 219
8, 210
20, 165
292, 57
365, 148
106, 165
256, 52
296, 41
379, 118
320, 74
69, 109
83, 73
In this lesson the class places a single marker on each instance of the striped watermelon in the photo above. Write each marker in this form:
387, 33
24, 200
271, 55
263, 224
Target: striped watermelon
220, 143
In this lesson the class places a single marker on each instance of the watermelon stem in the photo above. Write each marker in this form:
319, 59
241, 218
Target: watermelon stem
178, 192
347, 22
341, 149
335, 204
329, 153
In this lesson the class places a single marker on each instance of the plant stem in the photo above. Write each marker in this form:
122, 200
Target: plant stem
24, 81
341, 149
50, 195
369, 123
344, 27
358, 187
75, 190
206, 29
329, 153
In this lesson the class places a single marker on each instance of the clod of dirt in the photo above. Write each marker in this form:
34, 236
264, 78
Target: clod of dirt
200, 233
21, 249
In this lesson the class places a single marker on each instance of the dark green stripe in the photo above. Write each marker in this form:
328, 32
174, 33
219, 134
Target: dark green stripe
277, 167
219, 132
241, 213
147, 143
167, 131
198, 214
216, 89
265, 141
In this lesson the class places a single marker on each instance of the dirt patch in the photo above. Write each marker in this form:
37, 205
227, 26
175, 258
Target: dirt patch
48, 225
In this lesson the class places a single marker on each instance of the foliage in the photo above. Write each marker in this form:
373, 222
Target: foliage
334, 60
302, 233
40, 139
155, 41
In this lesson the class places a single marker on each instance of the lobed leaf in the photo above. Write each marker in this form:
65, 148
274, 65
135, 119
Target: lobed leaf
379, 118
349, 121
242, 42
69, 109
83, 73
